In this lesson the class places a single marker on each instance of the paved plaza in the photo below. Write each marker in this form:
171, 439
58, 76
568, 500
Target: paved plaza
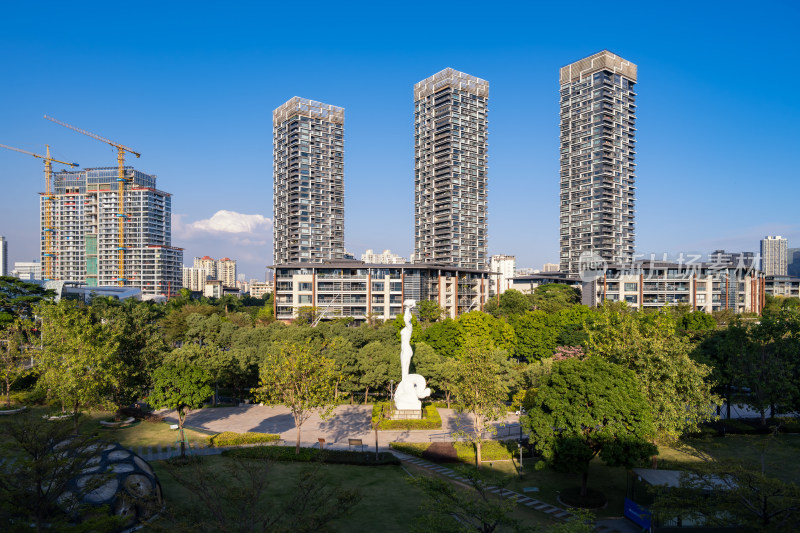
348, 422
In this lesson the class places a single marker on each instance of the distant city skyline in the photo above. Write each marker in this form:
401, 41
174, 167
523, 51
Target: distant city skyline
196, 99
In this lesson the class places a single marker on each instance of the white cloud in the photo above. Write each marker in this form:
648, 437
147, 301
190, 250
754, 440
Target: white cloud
232, 222
223, 222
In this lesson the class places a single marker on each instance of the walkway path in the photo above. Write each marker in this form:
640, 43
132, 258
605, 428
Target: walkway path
349, 422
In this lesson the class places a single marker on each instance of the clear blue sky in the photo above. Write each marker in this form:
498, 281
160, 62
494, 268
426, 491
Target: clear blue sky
193, 86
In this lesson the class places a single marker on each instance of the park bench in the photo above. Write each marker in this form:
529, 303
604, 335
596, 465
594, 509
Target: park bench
351, 443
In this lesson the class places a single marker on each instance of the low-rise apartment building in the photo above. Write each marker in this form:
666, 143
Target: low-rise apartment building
786, 286
376, 291
654, 284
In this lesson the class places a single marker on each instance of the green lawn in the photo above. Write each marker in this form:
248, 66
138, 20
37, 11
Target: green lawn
780, 453
388, 505
781, 462
141, 434
387, 500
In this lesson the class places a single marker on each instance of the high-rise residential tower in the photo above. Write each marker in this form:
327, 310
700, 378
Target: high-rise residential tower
226, 271
3, 257
85, 242
450, 171
208, 264
308, 187
598, 136
773, 255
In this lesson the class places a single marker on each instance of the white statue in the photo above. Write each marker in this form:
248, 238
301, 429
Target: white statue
412, 386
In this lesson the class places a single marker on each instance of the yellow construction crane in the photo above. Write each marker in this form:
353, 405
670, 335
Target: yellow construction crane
48, 206
122, 181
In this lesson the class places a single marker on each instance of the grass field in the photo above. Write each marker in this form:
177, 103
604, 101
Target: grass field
387, 499
389, 503
140, 434
781, 462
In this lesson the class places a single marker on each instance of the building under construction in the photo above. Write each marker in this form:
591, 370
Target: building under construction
85, 231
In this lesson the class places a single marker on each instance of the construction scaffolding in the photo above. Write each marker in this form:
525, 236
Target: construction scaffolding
122, 181
47, 226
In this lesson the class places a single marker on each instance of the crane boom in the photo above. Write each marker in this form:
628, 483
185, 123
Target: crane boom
93, 136
46, 158
48, 229
122, 182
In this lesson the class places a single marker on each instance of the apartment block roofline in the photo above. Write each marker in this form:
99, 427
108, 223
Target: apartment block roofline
307, 108
603, 60
451, 78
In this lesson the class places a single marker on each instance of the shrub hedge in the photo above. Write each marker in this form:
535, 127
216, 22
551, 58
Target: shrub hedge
229, 438
411, 448
490, 451
431, 418
306, 455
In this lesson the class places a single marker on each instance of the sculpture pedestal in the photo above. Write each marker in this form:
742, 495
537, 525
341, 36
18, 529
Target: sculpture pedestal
406, 414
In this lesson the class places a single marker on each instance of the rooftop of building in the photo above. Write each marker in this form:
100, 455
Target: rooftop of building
603, 60
307, 108
451, 78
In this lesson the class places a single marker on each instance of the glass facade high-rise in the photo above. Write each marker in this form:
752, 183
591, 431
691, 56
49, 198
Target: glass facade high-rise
598, 138
450, 172
308, 186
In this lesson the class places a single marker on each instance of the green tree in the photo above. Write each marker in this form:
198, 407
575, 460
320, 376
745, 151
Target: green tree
378, 363
300, 377
78, 364
676, 386
490, 331
18, 298
553, 297
14, 341
346, 357
174, 325
438, 371
767, 361
480, 388
266, 314
219, 365
141, 344
537, 334
697, 322
585, 408
513, 303
445, 337
180, 386
429, 311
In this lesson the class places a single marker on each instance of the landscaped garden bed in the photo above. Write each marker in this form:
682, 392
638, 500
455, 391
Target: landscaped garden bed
430, 418
229, 438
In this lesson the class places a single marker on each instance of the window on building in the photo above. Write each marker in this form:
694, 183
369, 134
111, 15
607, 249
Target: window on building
304, 286
631, 287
